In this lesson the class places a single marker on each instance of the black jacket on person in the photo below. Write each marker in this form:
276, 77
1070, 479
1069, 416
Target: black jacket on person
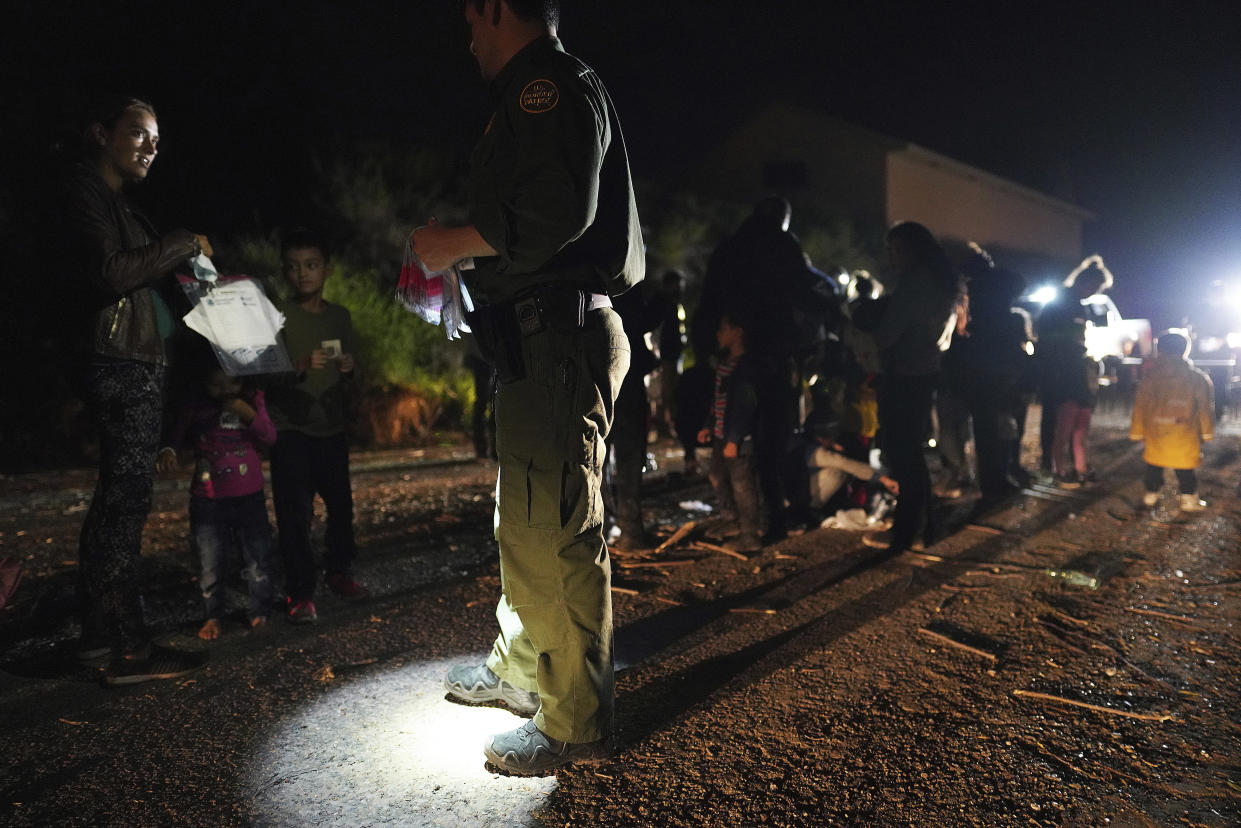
759, 274
115, 261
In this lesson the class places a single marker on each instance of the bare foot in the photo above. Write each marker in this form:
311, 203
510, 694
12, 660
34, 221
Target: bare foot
210, 631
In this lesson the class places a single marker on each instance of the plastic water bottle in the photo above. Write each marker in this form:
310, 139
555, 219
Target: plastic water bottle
1074, 577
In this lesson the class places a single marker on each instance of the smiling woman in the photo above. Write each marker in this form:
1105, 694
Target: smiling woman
120, 263
128, 149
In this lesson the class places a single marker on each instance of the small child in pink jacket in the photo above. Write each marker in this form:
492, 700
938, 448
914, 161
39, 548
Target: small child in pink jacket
1173, 413
228, 509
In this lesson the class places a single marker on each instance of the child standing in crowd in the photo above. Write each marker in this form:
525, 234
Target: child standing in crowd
1073, 413
730, 429
228, 510
1173, 414
311, 454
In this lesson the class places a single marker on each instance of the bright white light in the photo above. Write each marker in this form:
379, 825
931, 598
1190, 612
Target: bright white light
390, 748
1044, 294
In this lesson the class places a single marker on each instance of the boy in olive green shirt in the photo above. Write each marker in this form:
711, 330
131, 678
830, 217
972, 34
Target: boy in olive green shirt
311, 455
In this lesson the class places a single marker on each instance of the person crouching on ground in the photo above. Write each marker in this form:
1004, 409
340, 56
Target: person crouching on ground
1173, 415
829, 466
730, 429
311, 454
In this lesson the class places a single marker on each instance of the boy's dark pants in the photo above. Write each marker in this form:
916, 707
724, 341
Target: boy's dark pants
904, 405
302, 466
1186, 480
220, 528
126, 399
736, 489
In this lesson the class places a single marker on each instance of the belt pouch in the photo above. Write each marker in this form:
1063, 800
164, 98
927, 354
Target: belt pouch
499, 341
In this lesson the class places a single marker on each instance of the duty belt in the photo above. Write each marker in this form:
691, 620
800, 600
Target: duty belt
557, 307
499, 328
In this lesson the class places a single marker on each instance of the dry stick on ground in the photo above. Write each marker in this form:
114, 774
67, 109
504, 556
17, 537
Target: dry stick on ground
1216, 585
1146, 717
655, 564
711, 547
677, 536
1064, 615
954, 643
1179, 619
990, 530
625, 591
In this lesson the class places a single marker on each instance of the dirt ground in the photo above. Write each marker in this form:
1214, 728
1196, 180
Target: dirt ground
817, 682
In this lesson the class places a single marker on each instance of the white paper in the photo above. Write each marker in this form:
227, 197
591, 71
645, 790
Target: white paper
237, 318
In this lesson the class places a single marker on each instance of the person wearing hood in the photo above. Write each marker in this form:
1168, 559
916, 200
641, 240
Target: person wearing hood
1173, 415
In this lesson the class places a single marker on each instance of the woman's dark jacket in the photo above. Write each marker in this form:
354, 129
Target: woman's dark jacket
116, 261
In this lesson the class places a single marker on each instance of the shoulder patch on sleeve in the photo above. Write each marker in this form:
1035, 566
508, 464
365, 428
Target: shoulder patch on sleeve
539, 96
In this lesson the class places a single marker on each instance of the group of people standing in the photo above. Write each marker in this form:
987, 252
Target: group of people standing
553, 234
126, 337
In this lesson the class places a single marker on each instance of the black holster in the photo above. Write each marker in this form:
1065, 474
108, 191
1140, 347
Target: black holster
499, 339
500, 327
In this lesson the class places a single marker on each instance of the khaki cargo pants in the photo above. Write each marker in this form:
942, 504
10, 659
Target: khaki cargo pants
555, 612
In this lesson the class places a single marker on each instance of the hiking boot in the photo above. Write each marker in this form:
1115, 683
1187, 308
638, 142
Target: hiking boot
302, 612
528, 751
1150, 499
1191, 503
475, 685
153, 662
345, 586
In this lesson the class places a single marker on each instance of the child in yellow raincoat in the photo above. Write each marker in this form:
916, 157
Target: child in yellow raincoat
1173, 414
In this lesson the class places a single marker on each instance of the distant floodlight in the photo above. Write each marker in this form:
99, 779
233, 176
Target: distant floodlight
1044, 294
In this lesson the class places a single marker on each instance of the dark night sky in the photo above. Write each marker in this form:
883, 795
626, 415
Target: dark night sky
1138, 112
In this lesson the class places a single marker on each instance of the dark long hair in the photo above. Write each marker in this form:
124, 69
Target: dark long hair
927, 252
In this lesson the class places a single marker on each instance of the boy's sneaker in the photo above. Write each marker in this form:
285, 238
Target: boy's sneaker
948, 490
92, 648
345, 586
883, 540
1067, 481
155, 662
528, 751
302, 612
1150, 499
746, 544
476, 685
1191, 503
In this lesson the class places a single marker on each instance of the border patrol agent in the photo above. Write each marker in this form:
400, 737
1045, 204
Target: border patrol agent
553, 230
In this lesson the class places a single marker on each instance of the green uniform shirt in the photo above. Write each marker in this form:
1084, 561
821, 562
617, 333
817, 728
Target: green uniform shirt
313, 404
550, 187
